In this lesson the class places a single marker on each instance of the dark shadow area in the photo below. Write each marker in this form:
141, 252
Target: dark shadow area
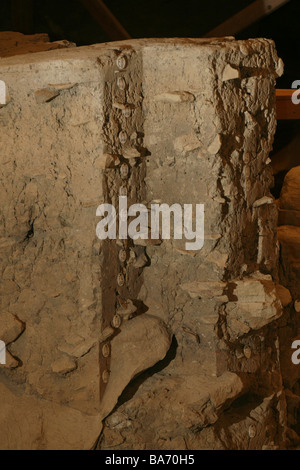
71, 20
278, 183
134, 385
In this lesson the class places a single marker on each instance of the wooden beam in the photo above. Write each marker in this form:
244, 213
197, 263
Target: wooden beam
108, 22
22, 14
246, 17
285, 107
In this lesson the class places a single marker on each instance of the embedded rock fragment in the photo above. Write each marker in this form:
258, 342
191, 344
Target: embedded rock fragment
63, 365
253, 304
230, 73
175, 97
141, 343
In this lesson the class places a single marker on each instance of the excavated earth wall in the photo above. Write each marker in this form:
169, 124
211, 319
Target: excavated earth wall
175, 121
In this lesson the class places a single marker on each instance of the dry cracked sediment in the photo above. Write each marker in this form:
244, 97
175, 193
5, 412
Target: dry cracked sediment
182, 121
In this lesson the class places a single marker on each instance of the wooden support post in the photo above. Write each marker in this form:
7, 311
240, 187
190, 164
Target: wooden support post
285, 107
108, 22
244, 18
22, 12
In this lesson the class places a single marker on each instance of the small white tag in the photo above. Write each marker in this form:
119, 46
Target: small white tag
2, 92
2, 353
